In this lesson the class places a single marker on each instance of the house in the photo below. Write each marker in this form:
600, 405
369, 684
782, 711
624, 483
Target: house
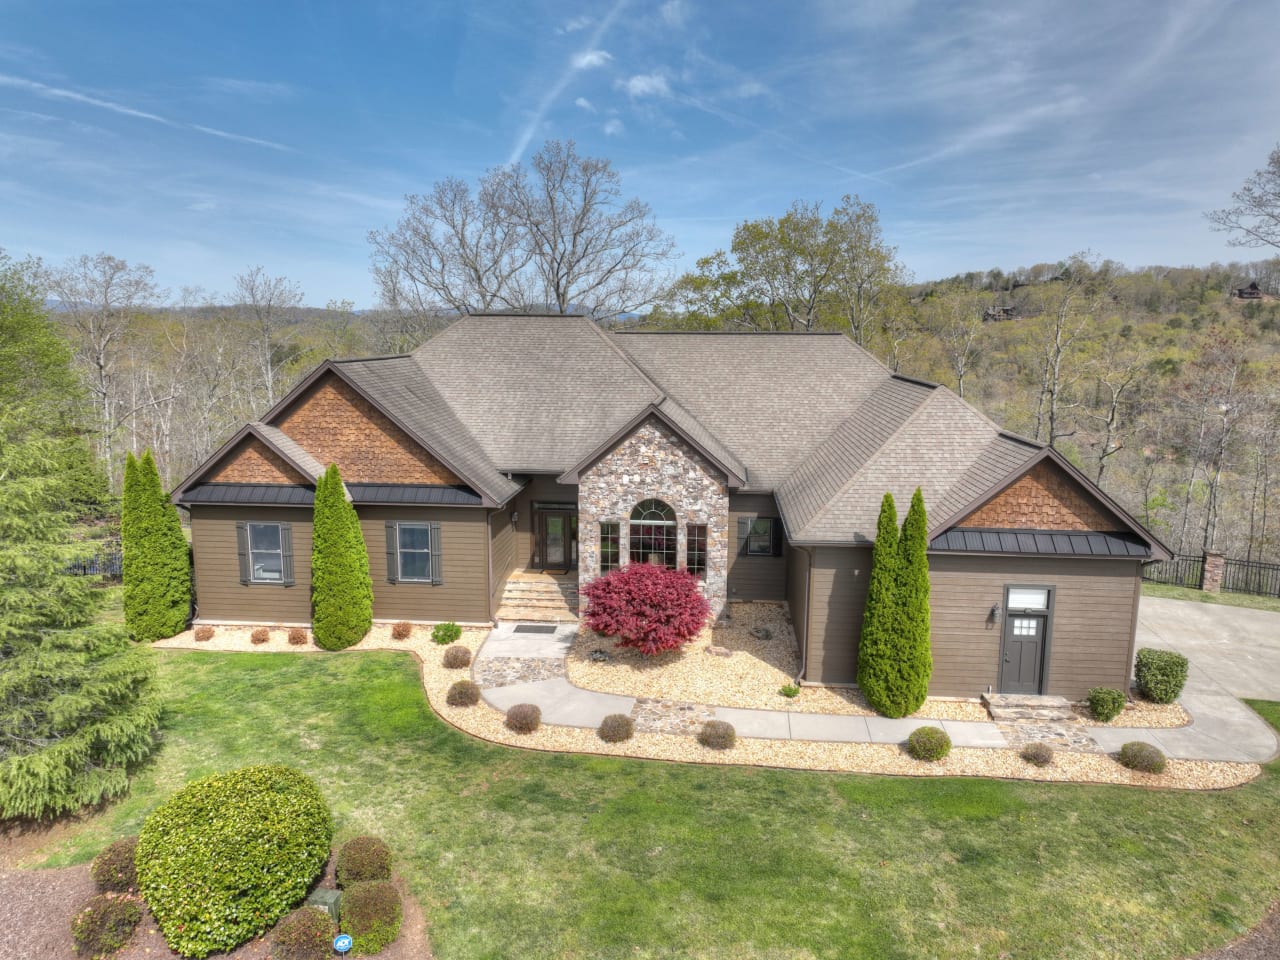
758, 461
1251, 292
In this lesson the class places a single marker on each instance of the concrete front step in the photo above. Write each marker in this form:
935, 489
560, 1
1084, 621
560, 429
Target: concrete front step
1010, 708
560, 614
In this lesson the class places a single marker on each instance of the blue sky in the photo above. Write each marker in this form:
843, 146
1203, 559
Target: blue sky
202, 137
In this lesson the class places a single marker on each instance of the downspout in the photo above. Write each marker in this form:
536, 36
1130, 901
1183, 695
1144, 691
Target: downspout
808, 604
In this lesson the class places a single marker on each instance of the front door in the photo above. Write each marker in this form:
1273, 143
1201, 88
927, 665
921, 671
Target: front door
1022, 663
557, 539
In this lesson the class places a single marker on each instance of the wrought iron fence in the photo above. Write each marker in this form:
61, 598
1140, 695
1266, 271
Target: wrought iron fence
1250, 576
107, 562
1181, 571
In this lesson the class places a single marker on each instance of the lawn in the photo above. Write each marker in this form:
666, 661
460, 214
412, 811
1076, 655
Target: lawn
522, 854
1201, 596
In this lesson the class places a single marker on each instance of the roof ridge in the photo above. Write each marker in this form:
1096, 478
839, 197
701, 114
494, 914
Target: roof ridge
659, 393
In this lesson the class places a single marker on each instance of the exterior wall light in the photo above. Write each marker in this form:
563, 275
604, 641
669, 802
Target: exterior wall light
994, 615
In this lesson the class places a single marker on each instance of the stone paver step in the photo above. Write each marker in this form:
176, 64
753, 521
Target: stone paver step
536, 614
1010, 708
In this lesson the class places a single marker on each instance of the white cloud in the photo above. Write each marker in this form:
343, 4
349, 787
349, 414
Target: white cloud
614, 128
747, 89
584, 104
574, 25
587, 59
674, 13
647, 85
252, 89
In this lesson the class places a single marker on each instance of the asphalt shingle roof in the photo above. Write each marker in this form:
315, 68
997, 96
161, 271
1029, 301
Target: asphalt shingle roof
291, 449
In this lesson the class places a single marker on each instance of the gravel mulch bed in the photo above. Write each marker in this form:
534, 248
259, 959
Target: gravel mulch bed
1140, 713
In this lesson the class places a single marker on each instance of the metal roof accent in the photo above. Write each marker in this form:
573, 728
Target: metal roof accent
1059, 543
415, 493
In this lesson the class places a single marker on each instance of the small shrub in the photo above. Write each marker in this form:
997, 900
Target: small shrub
204, 632
456, 657
1160, 674
1037, 754
1105, 703
401, 630
524, 718
361, 859
789, 690
464, 693
104, 924
446, 633
260, 635
615, 728
113, 870
1137, 755
717, 735
305, 934
928, 743
297, 636
371, 913
647, 607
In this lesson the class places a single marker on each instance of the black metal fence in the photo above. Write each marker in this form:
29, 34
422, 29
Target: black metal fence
1250, 576
107, 562
1181, 571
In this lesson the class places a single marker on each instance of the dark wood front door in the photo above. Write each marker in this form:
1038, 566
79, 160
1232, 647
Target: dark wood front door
557, 539
1022, 660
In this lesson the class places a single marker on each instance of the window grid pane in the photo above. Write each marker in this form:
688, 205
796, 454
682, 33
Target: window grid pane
610, 535
696, 549
414, 551
266, 556
760, 537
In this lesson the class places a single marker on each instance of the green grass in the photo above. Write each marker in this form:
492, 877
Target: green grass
522, 854
1200, 596
111, 604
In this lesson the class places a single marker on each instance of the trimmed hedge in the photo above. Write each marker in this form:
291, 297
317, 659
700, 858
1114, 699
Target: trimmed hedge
928, 743
1161, 674
717, 735
524, 718
1137, 755
446, 633
456, 657
305, 934
361, 859
464, 693
371, 914
615, 728
1105, 703
227, 856
113, 869
104, 924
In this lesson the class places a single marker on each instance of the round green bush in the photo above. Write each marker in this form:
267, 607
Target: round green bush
928, 743
717, 735
524, 718
456, 657
225, 857
1160, 674
446, 633
1037, 754
464, 693
615, 728
113, 870
305, 934
1143, 757
371, 914
104, 924
361, 859
1105, 703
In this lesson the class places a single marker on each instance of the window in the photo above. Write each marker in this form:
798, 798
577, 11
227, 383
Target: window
696, 548
266, 553
1024, 627
1024, 598
653, 534
610, 545
760, 537
414, 550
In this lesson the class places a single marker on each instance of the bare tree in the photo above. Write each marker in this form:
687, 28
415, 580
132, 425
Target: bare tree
955, 319
557, 235
1255, 213
1117, 371
269, 304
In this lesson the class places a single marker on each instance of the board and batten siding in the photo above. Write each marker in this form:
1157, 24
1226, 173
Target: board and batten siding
502, 554
837, 597
754, 578
220, 596
464, 552
1092, 628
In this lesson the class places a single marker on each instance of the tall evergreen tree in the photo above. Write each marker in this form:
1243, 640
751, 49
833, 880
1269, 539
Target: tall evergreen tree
914, 651
157, 562
341, 590
878, 673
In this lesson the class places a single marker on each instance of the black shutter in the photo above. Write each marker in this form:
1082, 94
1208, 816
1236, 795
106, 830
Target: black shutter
776, 525
393, 545
286, 553
744, 533
242, 549
436, 578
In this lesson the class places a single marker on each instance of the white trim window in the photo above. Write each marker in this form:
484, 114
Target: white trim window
413, 550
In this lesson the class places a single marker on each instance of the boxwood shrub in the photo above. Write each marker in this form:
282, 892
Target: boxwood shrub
227, 856
113, 870
104, 924
524, 718
717, 735
1144, 757
446, 633
928, 743
464, 693
305, 934
371, 914
1160, 674
456, 657
615, 728
361, 859
1105, 703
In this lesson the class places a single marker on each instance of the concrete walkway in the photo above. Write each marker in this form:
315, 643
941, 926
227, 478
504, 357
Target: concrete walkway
1222, 727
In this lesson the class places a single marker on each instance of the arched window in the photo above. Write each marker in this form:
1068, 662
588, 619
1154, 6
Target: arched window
653, 533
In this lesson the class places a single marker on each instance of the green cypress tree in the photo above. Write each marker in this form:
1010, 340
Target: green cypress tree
881, 621
156, 562
914, 652
341, 590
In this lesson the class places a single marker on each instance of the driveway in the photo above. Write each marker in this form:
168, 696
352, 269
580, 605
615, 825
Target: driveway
1234, 649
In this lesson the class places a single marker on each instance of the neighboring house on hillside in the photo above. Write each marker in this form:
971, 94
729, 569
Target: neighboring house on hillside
511, 444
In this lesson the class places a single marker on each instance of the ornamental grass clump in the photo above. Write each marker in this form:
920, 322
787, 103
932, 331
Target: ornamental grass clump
464, 693
446, 633
371, 914
401, 630
524, 718
227, 856
113, 869
1037, 754
297, 636
717, 735
259, 635
647, 607
1160, 674
928, 743
304, 934
361, 859
104, 924
615, 728
203, 633
1105, 703
1143, 757
456, 657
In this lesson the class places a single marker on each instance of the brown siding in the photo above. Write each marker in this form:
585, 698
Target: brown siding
1044, 498
220, 596
502, 554
838, 593
754, 578
252, 461
333, 423
798, 592
462, 596
545, 490
1091, 632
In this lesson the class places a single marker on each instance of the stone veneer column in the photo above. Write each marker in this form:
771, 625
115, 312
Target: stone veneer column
655, 463
1215, 567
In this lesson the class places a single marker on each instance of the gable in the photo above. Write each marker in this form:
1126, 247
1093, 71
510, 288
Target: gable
1043, 498
337, 425
651, 453
252, 461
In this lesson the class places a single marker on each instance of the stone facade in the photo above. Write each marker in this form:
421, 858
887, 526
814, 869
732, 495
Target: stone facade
1215, 568
254, 462
1044, 498
654, 463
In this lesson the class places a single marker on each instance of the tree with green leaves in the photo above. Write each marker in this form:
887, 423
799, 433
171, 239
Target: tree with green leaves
915, 656
881, 618
341, 590
157, 561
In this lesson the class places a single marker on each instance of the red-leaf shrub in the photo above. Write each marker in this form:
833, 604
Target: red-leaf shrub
647, 606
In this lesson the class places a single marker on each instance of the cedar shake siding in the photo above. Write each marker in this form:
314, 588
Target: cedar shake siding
755, 577
1044, 498
464, 557
252, 461
503, 554
837, 597
220, 596
1093, 618
337, 425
